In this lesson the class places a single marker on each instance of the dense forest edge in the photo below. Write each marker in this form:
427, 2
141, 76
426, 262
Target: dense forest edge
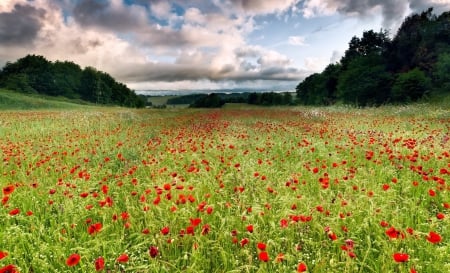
376, 69
34, 74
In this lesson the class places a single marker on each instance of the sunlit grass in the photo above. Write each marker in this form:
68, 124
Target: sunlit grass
317, 186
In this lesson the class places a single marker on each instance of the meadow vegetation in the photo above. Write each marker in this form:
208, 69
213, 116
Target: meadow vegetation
240, 189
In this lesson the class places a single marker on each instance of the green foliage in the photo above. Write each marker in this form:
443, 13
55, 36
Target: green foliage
377, 70
364, 82
442, 73
210, 101
186, 99
410, 86
320, 88
270, 98
35, 74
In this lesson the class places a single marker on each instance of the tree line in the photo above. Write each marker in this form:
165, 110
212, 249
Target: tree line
376, 69
35, 74
215, 100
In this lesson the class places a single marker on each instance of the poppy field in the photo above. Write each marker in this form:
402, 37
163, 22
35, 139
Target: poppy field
231, 190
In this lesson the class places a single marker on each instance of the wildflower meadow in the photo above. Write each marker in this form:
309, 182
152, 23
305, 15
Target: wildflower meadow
230, 190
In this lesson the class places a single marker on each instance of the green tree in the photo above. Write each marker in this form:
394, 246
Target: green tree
67, 78
90, 84
312, 90
364, 82
210, 101
287, 98
441, 73
371, 43
410, 86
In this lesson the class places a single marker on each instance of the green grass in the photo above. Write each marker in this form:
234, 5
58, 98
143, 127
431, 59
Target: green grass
10, 100
297, 175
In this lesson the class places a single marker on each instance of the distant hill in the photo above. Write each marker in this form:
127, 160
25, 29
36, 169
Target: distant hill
13, 100
34, 74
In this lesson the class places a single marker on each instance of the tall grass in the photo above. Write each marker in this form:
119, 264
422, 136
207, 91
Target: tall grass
335, 189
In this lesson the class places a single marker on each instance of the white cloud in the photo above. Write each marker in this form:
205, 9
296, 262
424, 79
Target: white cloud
316, 64
296, 40
161, 9
207, 48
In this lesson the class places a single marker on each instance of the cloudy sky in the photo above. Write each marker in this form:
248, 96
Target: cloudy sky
197, 44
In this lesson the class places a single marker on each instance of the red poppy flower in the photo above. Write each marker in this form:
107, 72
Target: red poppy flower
3, 254
14, 212
8, 189
351, 254
205, 229
153, 251
73, 259
250, 228
123, 258
165, 230
125, 215
400, 257
264, 256
99, 264
434, 237
190, 230
244, 241
261, 246
94, 228
279, 258
394, 234
9, 269
302, 267
195, 221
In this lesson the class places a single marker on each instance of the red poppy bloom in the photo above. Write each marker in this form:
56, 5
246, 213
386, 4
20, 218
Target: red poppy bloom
250, 228
332, 236
279, 258
434, 237
73, 259
440, 216
190, 230
99, 264
351, 254
94, 228
205, 229
244, 241
123, 258
264, 256
125, 215
195, 221
3, 254
9, 269
301, 267
165, 230
8, 189
153, 251
400, 257
14, 212
261, 246
394, 234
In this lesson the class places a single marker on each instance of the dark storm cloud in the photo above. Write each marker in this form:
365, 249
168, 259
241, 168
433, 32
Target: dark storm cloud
97, 13
21, 25
393, 11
